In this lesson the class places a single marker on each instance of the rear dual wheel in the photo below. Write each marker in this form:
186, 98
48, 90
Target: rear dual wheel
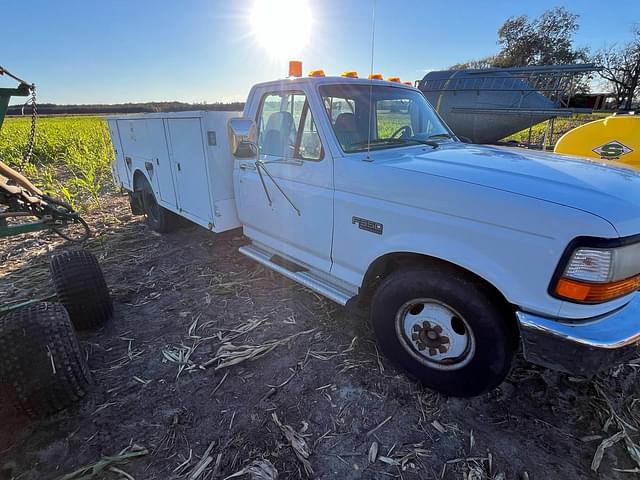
444, 328
158, 218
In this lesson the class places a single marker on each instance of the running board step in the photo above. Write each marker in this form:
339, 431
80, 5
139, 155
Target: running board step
302, 276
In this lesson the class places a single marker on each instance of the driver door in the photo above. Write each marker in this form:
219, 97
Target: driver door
285, 201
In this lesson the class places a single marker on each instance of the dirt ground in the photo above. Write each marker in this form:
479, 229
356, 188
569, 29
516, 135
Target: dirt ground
317, 387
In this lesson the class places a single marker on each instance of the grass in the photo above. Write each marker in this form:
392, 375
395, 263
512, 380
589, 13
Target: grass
562, 125
71, 157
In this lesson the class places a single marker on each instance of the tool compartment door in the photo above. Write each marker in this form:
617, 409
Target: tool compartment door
161, 163
119, 167
188, 159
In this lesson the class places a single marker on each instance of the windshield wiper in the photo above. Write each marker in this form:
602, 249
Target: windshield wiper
382, 141
441, 135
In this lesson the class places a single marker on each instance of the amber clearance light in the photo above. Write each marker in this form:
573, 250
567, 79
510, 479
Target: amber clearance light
596, 292
295, 68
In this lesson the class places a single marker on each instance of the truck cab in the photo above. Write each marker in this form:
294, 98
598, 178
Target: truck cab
461, 254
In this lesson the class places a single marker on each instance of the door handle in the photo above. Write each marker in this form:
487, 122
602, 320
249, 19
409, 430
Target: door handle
247, 166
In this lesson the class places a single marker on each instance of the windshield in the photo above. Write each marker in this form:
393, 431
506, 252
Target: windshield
400, 117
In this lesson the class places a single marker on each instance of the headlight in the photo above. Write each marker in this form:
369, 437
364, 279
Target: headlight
596, 275
590, 265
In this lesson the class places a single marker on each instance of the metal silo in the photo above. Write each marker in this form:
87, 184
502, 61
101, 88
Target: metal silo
487, 105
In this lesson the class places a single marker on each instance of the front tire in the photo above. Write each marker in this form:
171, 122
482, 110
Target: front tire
444, 328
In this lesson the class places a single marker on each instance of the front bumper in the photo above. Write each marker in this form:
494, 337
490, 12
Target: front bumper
585, 347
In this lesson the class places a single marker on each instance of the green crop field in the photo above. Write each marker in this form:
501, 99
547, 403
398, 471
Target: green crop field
71, 158
562, 125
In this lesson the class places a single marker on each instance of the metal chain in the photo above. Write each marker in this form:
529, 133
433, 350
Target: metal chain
34, 113
34, 117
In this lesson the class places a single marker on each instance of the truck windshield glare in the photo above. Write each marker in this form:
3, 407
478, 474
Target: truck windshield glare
380, 117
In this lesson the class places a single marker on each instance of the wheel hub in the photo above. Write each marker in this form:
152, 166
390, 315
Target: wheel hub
435, 334
429, 337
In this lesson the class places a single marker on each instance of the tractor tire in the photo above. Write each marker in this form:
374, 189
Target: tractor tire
42, 369
81, 288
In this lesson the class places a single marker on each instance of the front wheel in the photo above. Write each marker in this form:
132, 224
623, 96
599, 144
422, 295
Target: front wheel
444, 328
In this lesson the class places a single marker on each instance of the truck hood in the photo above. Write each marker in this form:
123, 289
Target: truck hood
610, 192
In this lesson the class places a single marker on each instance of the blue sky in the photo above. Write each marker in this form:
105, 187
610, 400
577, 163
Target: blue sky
85, 51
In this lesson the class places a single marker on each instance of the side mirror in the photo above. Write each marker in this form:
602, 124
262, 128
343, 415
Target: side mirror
242, 137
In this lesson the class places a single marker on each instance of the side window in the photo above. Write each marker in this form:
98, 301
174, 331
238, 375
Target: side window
342, 112
286, 128
310, 147
336, 105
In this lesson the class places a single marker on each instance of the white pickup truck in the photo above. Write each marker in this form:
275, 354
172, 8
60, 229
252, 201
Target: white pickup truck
356, 189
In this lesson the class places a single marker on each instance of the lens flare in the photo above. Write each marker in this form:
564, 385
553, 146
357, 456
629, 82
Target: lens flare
281, 27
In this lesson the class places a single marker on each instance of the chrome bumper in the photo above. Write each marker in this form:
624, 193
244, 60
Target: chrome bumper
582, 347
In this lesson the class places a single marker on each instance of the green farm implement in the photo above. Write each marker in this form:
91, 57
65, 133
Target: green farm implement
42, 369
20, 199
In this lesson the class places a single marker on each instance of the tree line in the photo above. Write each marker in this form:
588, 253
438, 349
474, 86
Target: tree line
118, 108
548, 40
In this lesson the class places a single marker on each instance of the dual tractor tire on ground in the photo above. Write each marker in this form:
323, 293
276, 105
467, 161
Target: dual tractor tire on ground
81, 288
445, 329
42, 369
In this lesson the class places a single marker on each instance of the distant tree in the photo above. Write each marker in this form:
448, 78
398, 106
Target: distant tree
620, 69
546, 40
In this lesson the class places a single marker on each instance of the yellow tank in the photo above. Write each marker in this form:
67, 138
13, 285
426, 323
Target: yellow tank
615, 139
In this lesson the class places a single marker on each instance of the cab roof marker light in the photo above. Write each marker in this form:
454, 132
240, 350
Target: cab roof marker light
376, 76
349, 74
295, 68
317, 73
408, 83
393, 79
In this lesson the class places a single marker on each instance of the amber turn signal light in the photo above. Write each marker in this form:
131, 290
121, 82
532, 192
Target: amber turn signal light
596, 292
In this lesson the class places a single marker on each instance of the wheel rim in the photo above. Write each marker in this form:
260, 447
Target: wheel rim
435, 334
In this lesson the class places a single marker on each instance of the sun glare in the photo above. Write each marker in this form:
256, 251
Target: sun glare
281, 27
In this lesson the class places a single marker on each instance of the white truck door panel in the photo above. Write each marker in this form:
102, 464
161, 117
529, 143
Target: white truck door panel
120, 169
139, 137
220, 165
306, 236
135, 146
300, 226
189, 164
161, 163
